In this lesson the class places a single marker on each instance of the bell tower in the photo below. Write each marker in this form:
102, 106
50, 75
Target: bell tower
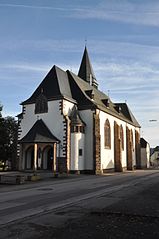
86, 70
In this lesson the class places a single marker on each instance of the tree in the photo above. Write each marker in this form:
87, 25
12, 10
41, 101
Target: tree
11, 127
1, 107
2, 137
8, 139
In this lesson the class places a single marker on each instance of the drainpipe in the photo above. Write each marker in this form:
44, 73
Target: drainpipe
35, 158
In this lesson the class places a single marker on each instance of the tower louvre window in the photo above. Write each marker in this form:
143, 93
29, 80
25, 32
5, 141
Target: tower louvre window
77, 129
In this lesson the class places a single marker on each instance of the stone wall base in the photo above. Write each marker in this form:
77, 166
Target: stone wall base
62, 164
87, 171
111, 170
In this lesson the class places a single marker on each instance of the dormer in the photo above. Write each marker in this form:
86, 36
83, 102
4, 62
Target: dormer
106, 102
90, 93
118, 108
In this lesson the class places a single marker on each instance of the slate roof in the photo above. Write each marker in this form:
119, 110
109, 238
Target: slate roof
79, 93
20, 116
86, 70
39, 133
156, 149
143, 143
153, 150
75, 117
127, 113
59, 84
55, 85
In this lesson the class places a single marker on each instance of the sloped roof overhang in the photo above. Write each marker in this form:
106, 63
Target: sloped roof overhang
39, 133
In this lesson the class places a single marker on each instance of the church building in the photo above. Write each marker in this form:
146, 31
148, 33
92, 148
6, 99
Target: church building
68, 125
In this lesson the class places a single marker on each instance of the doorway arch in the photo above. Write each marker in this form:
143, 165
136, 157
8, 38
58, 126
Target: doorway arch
47, 162
29, 157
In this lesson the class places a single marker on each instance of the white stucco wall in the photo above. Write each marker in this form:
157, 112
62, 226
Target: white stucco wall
67, 107
77, 142
131, 127
87, 117
107, 155
145, 157
155, 159
53, 119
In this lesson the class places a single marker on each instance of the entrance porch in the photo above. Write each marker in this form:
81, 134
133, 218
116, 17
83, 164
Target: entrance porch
40, 156
38, 149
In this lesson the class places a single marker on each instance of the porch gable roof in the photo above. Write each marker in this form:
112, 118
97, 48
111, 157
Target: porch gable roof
39, 133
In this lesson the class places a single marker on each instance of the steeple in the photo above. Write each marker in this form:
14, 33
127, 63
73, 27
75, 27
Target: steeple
86, 70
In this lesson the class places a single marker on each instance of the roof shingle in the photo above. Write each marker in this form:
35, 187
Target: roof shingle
39, 133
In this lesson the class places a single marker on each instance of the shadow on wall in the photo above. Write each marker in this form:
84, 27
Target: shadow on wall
110, 165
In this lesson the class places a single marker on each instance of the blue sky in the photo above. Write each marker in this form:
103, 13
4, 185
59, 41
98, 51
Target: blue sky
122, 41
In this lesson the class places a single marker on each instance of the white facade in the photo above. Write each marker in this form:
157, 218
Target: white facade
79, 142
87, 116
107, 155
53, 119
62, 126
145, 157
77, 151
155, 159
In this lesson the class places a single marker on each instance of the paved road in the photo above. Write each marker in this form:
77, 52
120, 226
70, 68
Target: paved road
36, 210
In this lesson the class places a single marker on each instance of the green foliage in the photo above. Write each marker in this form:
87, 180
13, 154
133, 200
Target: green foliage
1, 107
8, 139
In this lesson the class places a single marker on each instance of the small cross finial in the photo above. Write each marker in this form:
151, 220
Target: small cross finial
85, 41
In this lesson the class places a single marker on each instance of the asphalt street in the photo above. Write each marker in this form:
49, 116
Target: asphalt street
119, 205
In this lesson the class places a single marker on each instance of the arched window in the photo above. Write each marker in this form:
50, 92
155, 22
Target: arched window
122, 137
107, 134
39, 160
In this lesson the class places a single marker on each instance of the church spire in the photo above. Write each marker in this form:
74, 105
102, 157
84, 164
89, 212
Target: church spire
86, 70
